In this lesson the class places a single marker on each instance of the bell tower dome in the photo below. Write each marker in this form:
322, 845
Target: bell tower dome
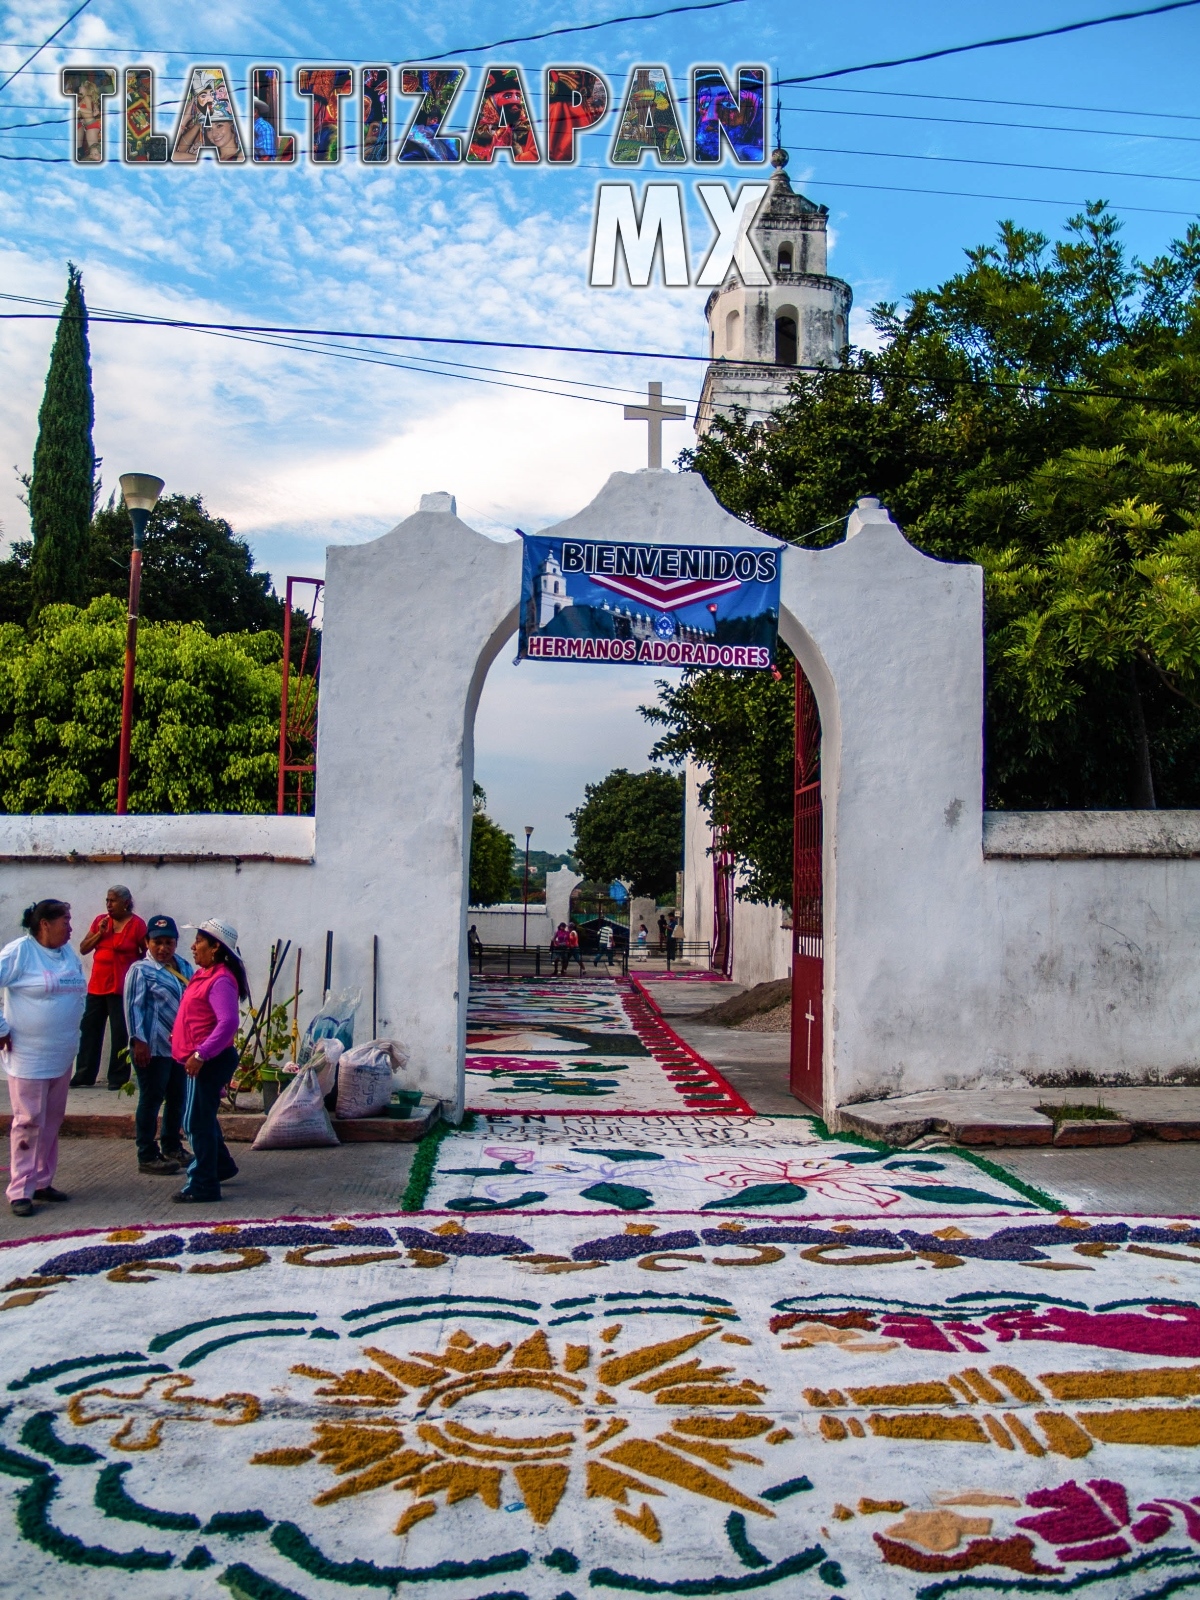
758, 336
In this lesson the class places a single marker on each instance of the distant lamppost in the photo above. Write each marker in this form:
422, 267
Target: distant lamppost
525, 912
140, 491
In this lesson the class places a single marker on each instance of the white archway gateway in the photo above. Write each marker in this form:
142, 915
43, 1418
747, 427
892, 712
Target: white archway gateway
890, 640
960, 949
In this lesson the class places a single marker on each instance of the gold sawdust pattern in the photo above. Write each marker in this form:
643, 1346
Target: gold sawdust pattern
1142, 1383
645, 1523
542, 1487
842, 1513
366, 1386
415, 1514
833, 1429
620, 1369
928, 1425
745, 1393
1065, 1438
407, 1371
433, 1435
1017, 1384
686, 1371
612, 1428
401, 1465
1022, 1434
720, 1455
461, 1480
868, 1507
1148, 1425
534, 1353
650, 1458
903, 1394
458, 1430
609, 1484
577, 1357
282, 1458
346, 1446
998, 1432
856, 1428
739, 1426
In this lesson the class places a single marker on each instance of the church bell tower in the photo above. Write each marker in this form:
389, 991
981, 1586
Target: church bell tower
758, 336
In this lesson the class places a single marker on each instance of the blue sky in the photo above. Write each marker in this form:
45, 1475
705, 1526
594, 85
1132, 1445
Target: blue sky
299, 450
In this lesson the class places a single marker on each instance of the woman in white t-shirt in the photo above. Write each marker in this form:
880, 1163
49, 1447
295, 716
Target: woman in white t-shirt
44, 993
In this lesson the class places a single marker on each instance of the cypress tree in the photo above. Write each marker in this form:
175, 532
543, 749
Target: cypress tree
62, 486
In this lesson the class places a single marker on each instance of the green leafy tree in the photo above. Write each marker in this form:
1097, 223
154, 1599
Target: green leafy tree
62, 487
740, 727
194, 568
630, 826
1036, 413
491, 856
206, 733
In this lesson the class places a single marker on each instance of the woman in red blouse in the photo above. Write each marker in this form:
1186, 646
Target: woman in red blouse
114, 941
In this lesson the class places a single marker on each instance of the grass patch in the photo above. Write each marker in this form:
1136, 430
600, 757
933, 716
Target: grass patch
1080, 1113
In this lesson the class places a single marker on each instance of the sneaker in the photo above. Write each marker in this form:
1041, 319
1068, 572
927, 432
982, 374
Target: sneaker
22, 1208
82, 1083
185, 1197
162, 1167
50, 1193
183, 1156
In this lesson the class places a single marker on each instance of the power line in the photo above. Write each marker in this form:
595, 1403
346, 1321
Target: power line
1022, 386
1028, 105
992, 44
441, 55
44, 45
982, 161
585, 27
1012, 199
980, 122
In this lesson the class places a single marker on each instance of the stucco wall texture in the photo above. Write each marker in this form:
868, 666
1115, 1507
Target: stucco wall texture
945, 966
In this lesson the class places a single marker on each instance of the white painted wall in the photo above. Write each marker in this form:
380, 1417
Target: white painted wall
954, 955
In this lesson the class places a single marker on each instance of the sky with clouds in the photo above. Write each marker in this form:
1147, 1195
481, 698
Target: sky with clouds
300, 449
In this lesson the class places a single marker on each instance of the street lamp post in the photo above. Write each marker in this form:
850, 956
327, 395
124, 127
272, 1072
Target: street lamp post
525, 912
140, 491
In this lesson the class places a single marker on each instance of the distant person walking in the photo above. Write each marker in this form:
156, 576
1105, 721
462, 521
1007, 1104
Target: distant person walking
673, 926
604, 944
44, 993
202, 1039
574, 953
559, 946
643, 935
114, 941
662, 933
153, 991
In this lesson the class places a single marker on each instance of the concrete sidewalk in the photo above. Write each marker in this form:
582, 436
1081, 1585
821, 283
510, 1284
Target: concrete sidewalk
107, 1191
1011, 1116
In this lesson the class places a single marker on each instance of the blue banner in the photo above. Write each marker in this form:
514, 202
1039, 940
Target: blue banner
654, 605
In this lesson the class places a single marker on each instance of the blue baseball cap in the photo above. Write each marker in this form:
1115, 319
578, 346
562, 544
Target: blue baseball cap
162, 928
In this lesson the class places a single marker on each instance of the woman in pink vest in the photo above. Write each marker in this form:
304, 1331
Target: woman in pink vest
202, 1039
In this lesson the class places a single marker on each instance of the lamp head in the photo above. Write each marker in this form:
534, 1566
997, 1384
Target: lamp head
528, 831
140, 491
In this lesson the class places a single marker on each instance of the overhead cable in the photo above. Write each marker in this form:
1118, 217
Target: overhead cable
992, 44
45, 44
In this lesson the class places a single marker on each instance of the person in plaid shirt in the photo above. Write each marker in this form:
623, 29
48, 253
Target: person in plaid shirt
153, 989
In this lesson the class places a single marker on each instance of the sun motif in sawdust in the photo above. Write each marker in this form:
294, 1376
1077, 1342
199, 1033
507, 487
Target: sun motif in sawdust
393, 1423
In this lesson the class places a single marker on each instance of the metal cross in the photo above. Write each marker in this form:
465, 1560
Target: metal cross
655, 414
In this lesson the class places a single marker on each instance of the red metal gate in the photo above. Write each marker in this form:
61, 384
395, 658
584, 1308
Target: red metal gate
808, 928
298, 705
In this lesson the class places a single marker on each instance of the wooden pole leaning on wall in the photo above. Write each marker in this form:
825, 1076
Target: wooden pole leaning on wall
374, 986
296, 1007
328, 965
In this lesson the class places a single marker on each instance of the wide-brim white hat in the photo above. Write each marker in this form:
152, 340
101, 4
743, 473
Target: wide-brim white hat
223, 932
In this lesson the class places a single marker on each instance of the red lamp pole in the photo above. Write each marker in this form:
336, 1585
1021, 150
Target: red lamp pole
141, 491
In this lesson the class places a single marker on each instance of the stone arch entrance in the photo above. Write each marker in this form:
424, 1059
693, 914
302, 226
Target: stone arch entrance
890, 642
